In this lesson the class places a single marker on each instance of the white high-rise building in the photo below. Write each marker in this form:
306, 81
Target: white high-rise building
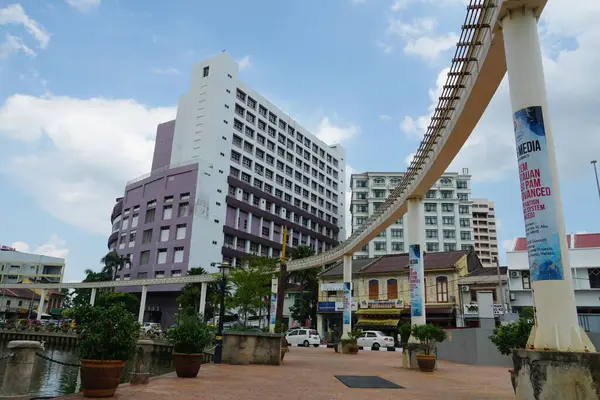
484, 231
447, 213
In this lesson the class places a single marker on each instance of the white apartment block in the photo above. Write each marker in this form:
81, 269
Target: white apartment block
16, 267
258, 170
485, 231
584, 257
447, 213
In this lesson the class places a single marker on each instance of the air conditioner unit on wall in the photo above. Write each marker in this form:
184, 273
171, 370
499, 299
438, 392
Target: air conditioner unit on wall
513, 297
464, 288
515, 274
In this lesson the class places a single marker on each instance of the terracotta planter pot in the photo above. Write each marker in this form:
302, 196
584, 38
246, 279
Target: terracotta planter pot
350, 348
100, 378
426, 362
187, 365
513, 379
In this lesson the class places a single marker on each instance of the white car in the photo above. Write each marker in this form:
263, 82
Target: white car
375, 340
151, 327
304, 337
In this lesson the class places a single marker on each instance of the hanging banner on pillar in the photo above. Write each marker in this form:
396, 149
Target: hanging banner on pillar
273, 308
539, 204
347, 303
415, 280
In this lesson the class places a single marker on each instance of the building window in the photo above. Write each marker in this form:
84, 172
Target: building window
464, 222
447, 207
431, 221
397, 246
461, 185
431, 233
205, 72
150, 214
594, 276
463, 210
373, 289
176, 273
164, 233
449, 247
178, 255
125, 223
131, 239
465, 235
142, 275
392, 289
147, 236
159, 274
183, 209
167, 212
430, 207
433, 247
525, 278
380, 246
162, 256
134, 221
181, 230
441, 289
144, 257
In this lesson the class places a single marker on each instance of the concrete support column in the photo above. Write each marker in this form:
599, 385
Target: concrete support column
273, 304
415, 250
203, 290
19, 369
143, 360
556, 325
40, 309
320, 325
142, 304
93, 296
347, 312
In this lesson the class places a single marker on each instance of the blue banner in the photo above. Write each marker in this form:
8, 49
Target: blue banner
347, 303
539, 204
415, 280
326, 306
273, 308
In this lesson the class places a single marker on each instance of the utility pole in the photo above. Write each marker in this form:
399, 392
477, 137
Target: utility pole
282, 280
596, 173
500, 288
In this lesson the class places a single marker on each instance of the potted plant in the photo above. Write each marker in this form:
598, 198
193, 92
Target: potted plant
512, 336
108, 337
428, 336
350, 346
189, 339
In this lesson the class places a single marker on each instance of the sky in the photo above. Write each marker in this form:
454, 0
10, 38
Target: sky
83, 84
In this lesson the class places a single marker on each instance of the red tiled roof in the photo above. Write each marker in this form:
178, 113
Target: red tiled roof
399, 262
20, 293
582, 241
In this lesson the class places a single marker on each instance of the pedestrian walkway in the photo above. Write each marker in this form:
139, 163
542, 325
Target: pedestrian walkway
309, 374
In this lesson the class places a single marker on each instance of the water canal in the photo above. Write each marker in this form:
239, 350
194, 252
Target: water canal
51, 379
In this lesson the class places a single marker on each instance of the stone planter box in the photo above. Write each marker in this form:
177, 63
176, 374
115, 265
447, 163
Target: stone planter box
244, 348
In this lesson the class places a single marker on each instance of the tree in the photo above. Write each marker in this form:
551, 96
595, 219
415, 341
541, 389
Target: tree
83, 296
113, 263
252, 284
129, 301
306, 306
189, 299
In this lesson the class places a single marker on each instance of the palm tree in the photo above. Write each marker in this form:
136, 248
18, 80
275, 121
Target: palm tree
113, 263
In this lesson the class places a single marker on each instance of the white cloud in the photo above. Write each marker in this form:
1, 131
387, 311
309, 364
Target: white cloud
244, 63
54, 247
96, 145
84, 6
386, 47
506, 244
385, 117
420, 38
13, 44
332, 134
399, 5
15, 15
165, 71
572, 86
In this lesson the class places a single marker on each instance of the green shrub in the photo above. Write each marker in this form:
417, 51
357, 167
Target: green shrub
429, 336
106, 333
404, 330
512, 336
191, 335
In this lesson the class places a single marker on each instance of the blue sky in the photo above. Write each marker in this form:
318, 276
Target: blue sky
83, 84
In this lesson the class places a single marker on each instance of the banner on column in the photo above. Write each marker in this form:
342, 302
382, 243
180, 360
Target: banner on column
347, 303
415, 280
539, 204
273, 308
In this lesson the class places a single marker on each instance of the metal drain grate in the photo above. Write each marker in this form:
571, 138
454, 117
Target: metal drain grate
367, 382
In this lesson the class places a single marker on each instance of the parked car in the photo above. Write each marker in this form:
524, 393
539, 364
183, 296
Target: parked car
375, 340
304, 337
152, 328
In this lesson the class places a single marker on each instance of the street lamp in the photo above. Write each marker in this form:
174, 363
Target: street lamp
596, 173
224, 269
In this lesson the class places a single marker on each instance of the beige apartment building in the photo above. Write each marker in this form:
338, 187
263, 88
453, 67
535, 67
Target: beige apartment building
485, 231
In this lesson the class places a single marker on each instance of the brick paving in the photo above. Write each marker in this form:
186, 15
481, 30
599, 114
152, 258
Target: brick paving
309, 374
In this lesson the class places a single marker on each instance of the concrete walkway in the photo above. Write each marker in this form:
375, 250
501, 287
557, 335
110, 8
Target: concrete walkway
309, 374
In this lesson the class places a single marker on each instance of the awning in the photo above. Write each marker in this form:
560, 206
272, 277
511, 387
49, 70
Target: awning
379, 311
377, 323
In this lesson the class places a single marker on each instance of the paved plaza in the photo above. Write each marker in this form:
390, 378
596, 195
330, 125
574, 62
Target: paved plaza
309, 374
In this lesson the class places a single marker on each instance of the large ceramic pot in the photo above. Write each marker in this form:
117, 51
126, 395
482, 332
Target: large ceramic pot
187, 365
101, 378
350, 348
426, 362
